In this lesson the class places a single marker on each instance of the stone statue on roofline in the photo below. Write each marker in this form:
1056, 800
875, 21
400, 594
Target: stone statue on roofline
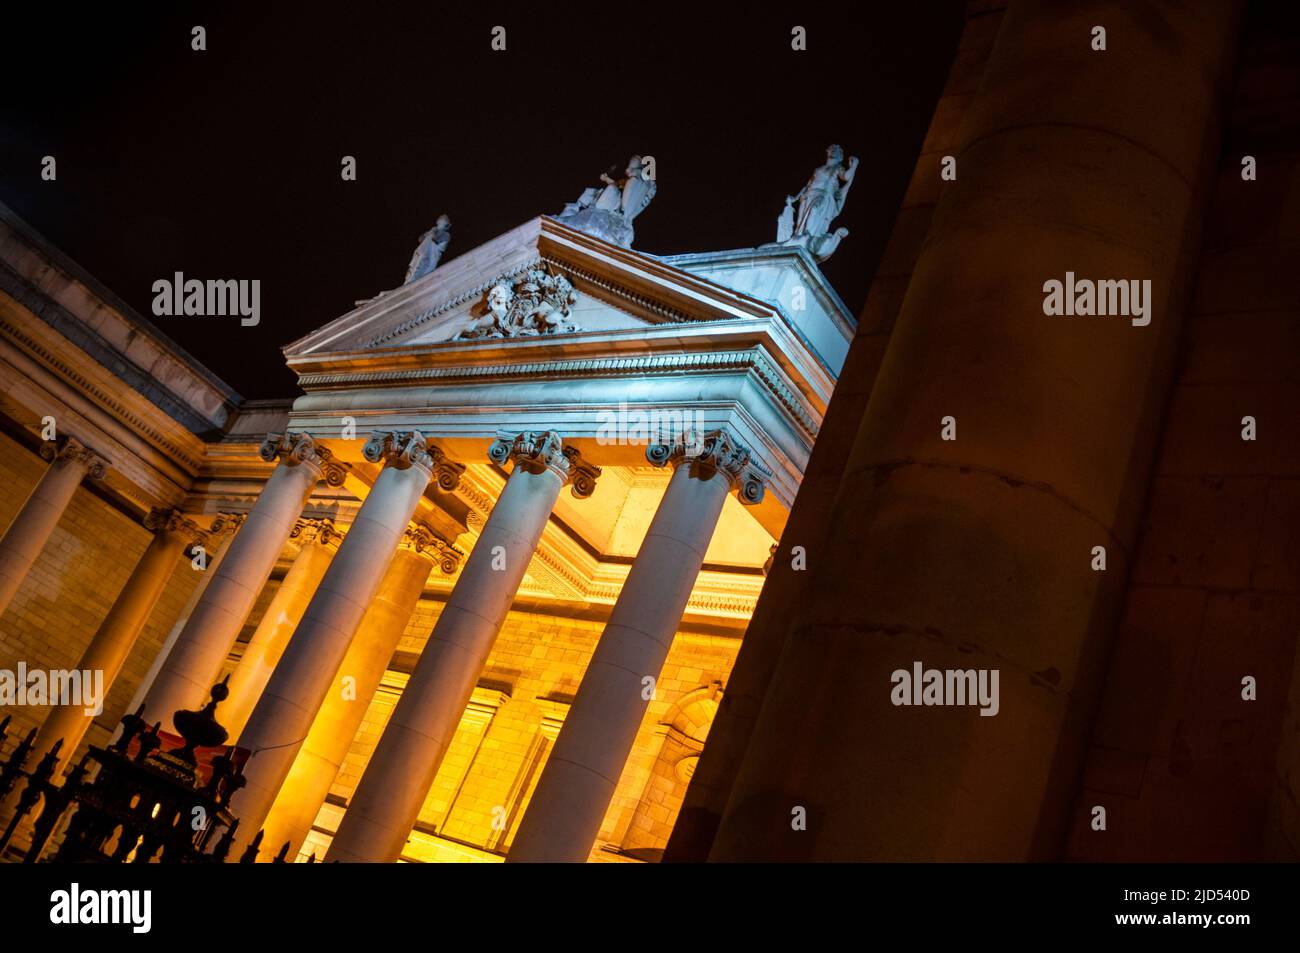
428, 252
606, 211
429, 249
819, 203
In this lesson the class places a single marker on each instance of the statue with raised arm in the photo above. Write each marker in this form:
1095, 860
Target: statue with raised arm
607, 210
819, 202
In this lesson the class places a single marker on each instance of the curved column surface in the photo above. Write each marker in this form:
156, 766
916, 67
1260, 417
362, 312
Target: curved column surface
284, 714
401, 770
314, 770
27, 535
191, 667
117, 634
565, 813
967, 548
318, 541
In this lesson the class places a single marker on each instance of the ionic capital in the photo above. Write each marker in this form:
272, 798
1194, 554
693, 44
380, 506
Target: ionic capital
299, 449
322, 531
538, 451
716, 452
168, 521
226, 523
420, 539
404, 449
72, 450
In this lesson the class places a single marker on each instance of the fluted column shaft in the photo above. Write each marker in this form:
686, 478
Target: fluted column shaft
192, 666
327, 744
318, 542
397, 779
31, 528
117, 634
565, 813
284, 714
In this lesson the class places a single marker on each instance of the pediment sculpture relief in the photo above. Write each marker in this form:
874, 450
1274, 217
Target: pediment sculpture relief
536, 303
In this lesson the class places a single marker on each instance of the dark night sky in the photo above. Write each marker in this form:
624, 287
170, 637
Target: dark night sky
225, 164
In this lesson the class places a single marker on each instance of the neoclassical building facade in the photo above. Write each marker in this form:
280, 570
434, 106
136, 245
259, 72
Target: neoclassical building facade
477, 591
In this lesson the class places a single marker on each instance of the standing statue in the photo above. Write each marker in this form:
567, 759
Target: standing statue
425, 258
820, 201
607, 212
429, 250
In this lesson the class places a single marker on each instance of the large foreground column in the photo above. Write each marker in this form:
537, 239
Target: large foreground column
116, 636
31, 528
318, 541
1004, 440
355, 684
192, 666
564, 815
404, 764
285, 712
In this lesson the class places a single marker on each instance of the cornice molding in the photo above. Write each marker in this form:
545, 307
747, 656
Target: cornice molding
752, 360
643, 304
451, 304
192, 461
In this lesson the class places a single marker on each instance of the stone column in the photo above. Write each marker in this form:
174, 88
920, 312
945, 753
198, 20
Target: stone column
404, 764
355, 684
31, 528
318, 541
969, 548
118, 632
192, 666
225, 524
293, 696
577, 784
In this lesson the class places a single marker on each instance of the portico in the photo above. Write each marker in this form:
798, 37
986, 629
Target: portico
534, 472
632, 346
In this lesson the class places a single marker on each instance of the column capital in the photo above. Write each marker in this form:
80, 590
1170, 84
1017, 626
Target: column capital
226, 523
715, 452
422, 540
169, 521
300, 449
73, 450
537, 451
402, 449
322, 531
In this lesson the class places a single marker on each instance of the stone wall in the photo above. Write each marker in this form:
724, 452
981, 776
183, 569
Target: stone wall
72, 586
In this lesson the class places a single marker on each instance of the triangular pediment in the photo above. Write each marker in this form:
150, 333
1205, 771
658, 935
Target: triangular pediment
612, 289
